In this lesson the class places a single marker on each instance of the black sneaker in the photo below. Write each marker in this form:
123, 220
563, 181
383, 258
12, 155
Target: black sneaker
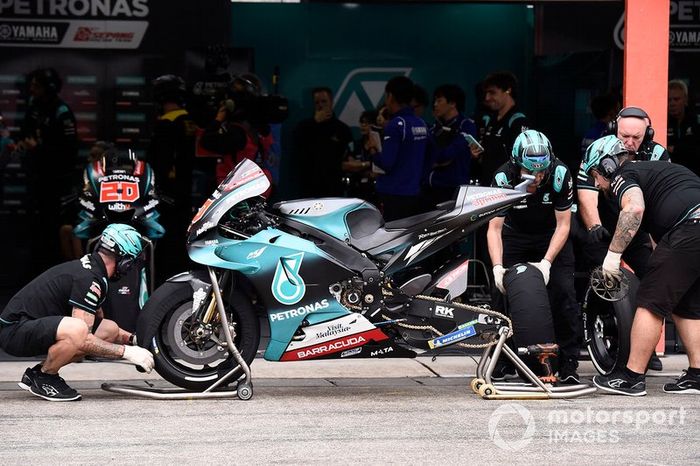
620, 384
655, 363
28, 377
52, 387
568, 374
686, 383
502, 372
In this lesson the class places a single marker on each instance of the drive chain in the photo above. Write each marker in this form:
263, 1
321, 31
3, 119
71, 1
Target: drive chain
477, 309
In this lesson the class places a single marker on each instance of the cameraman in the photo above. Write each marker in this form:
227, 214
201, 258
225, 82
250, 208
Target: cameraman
238, 131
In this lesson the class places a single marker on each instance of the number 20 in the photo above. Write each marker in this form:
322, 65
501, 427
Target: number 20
119, 191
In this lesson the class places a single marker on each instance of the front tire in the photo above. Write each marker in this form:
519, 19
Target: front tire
187, 353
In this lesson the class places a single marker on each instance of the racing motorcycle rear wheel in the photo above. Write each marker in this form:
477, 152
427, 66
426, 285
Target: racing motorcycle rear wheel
608, 327
192, 355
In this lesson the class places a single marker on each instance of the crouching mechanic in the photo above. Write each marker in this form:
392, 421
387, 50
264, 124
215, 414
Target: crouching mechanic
537, 231
664, 199
59, 314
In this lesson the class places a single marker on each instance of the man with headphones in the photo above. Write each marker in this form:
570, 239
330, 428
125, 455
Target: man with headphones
59, 314
632, 126
665, 200
48, 135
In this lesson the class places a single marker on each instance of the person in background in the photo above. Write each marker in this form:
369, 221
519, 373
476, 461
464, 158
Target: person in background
498, 128
683, 138
402, 153
604, 108
358, 166
382, 118
322, 144
48, 136
171, 155
419, 101
448, 159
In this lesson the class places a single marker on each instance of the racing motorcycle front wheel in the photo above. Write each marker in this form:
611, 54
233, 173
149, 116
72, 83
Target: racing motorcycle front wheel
189, 353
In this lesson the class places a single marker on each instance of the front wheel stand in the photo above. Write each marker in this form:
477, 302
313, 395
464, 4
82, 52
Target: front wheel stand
534, 390
244, 387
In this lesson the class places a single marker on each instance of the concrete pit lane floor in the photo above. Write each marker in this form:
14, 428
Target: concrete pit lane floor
353, 411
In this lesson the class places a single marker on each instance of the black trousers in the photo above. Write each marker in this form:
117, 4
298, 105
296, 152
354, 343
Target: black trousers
526, 247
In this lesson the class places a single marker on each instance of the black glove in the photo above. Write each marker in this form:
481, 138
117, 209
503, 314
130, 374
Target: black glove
597, 234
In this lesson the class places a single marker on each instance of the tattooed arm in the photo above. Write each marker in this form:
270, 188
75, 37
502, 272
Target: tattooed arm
95, 346
629, 220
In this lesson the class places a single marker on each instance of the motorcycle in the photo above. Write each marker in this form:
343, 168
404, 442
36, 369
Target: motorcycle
330, 277
119, 188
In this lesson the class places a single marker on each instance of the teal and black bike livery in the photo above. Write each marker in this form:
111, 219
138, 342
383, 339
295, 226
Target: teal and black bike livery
329, 276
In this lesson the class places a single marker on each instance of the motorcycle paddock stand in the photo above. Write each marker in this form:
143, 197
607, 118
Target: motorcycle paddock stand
244, 387
534, 390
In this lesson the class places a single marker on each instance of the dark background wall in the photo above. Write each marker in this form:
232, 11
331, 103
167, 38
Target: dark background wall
563, 54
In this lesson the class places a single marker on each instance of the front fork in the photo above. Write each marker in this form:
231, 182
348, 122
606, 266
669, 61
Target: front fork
207, 314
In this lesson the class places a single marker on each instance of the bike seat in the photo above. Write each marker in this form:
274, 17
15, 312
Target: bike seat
368, 230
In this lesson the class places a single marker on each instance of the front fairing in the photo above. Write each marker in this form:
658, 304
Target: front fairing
290, 275
245, 181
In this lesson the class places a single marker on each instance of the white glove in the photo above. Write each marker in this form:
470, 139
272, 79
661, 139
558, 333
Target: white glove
611, 266
543, 266
139, 357
498, 273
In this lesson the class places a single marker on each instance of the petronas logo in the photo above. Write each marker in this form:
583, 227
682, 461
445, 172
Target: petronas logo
287, 286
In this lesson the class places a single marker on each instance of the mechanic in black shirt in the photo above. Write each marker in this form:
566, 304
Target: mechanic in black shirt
599, 213
633, 127
537, 231
59, 314
665, 201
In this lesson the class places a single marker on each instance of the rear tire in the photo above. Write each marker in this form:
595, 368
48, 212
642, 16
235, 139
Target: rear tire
186, 360
608, 329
